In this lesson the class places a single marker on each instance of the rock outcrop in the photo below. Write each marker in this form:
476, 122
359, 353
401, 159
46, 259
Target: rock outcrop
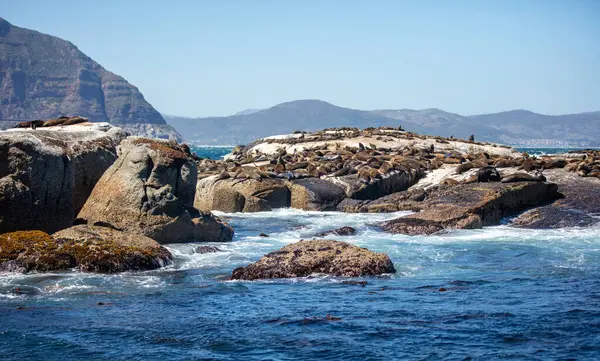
324, 168
235, 195
304, 258
472, 206
42, 76
86, 248
315, 194
579, 205
149, 191
47, 174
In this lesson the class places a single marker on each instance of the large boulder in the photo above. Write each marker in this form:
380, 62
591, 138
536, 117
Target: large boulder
150, 191
87, 248
304, 258
237, 195
471, 206
315, 194
47, 174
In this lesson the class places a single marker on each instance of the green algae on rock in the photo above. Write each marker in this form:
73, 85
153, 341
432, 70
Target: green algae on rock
86, 248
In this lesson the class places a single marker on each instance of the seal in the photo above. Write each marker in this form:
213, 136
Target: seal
32, 124
57, 121
521, 177
75, 120
488, 174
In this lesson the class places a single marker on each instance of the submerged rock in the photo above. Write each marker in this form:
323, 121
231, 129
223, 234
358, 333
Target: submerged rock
47, 174
150, 191
472, 206
87, 248
207, 249
304, 258
343, 231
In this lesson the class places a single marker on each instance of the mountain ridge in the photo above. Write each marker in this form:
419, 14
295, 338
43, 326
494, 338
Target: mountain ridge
43, 77
516, 127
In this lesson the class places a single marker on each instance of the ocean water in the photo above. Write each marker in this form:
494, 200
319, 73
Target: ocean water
547, 151
218, 152
214, 152
494, 294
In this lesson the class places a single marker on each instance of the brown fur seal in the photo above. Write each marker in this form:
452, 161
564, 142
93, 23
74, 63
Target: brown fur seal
32, 124
363, 176
488, 174
75, 120
521, 177
222, 175
54, 122
449, 181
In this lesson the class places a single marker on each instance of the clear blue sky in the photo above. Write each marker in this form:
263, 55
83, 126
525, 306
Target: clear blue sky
198, 58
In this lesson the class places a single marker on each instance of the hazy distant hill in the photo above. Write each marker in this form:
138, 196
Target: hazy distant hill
280, 119
518, 127
247, 111
42, 77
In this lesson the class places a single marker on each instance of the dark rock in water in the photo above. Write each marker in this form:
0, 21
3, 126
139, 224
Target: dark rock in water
355, 283
263, 235
207, 249
471, 206
414, 226
88, 248
150, 191
304, 258
554, 216
578, 207
488, 174
343, 231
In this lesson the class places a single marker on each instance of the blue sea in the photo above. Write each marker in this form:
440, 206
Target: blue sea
499, 293
214, 152
218, 152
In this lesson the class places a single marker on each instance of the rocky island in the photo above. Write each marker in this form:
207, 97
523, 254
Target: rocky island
100, 200
451, 183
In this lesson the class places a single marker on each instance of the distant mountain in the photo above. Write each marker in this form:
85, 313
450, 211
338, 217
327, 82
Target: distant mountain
517, 127
247, 111
284, 118
523, 127
42, 77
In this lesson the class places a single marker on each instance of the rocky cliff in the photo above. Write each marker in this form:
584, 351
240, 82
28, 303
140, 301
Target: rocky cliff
42, 76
